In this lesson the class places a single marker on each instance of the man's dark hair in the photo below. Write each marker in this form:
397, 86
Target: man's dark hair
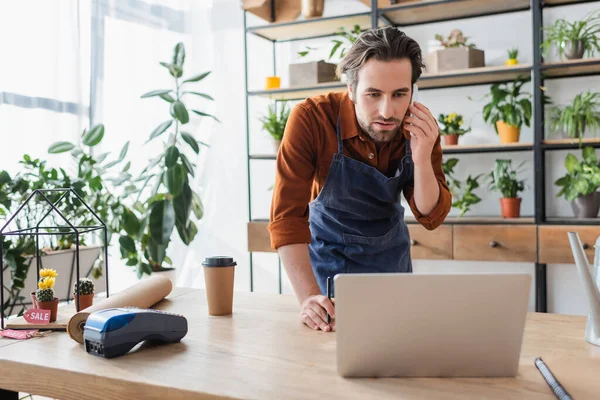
384, 44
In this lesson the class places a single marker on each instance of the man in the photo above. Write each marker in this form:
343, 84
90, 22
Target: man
343, 162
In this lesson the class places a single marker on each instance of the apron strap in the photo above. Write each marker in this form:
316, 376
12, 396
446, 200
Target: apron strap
339, 137
408, 150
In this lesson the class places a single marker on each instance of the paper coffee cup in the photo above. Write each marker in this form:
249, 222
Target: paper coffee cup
218, 277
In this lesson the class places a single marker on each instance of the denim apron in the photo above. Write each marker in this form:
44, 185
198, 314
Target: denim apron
357, 221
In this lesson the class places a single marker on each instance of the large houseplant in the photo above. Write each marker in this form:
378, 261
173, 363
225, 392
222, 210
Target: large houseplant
573, 119
274, 122
508, 109
581, 182
165, 200
574, 39
451, 127
504, 179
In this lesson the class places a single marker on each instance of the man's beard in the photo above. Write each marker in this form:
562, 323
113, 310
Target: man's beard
380, 136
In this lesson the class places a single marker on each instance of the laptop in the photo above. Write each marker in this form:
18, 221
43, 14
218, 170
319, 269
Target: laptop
430, 325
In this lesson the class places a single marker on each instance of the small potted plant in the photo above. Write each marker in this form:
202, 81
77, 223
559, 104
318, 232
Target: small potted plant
508, 110
45, 297
581, 183
456, 54
503, 178
84, 290
465, 198
574, 39
513, 53
274, 122
451, 127
572, 120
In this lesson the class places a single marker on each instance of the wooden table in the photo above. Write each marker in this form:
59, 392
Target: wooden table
263, 351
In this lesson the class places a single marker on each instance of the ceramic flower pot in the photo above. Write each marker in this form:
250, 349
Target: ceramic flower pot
451, 139
508, 133
49, 305
276, 145
313, 8
85, 300
511, 207
586, 206
574, 50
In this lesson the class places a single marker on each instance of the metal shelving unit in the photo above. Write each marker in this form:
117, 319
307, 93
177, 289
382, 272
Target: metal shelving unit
423, 12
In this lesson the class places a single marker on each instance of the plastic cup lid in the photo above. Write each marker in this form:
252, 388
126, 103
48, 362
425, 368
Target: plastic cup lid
219, 261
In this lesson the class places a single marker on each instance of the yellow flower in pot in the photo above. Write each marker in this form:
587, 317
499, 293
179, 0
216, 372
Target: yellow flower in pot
503, 178
451, 127
45, 296
508, 110
512, 57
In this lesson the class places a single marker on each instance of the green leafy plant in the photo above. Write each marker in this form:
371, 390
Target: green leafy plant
148, 224
504, 179
464, 198
564, 33
274, 122
513, 53
451, 124
508, 104
347, 39
584, 111
582, 178
456, 38
84, 286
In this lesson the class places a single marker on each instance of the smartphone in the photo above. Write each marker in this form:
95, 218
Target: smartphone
415, 94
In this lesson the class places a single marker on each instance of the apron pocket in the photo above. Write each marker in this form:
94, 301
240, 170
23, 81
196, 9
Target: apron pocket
377, 241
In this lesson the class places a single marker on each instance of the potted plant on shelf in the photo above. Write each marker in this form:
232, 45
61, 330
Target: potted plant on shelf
456, 54
503, 178
274, 122
574, 39
464, 199
314, 72
573, 119
513, 53
45, 297
508, 110
451, 127
84, 290
581, 182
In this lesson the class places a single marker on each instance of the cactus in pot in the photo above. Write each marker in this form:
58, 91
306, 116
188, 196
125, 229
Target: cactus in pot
84, 292
45, 298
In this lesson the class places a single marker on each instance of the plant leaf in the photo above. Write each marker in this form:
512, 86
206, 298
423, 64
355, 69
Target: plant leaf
160, 129
179, 112
60, 147
94, 135
162, 221
179, 55
175, 178
204, 95
127, 245
183, 205
131, 223
124, 151
189, 139
197, 206
187, 164
197, 78
156, 93
171, 156
188, 233
156, 251
202, 114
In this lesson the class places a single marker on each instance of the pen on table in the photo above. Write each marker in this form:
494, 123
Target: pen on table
559, 391
329, 297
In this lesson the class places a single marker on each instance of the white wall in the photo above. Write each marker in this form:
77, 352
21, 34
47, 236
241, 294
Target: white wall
490, 34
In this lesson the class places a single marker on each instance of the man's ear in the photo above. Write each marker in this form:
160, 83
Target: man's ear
351, 93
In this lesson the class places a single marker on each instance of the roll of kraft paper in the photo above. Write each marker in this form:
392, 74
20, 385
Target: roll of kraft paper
143, 294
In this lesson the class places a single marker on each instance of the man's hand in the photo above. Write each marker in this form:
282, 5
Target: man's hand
313, 312
425, 132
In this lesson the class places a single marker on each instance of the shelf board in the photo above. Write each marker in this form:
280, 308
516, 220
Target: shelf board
473, 76
300, 93
554, 3
311, 28
263, 157
486, 148
569, 68
480, 220
567, 144
420, 12
571, 221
